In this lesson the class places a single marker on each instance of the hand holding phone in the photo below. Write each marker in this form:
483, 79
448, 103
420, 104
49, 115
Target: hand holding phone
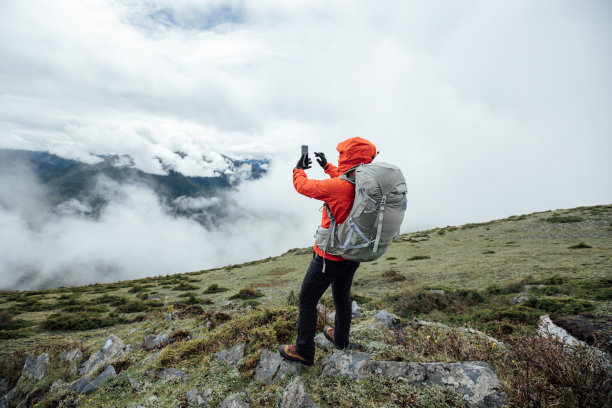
304, 162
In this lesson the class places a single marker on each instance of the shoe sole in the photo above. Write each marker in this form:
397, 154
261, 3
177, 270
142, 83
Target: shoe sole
330, 338
291, 358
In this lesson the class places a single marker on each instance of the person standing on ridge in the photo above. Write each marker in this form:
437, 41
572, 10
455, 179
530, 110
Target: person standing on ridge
326, 269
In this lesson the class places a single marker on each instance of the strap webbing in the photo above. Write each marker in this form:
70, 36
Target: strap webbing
381, 212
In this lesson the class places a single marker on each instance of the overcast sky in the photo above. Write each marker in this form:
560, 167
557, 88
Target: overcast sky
491, 108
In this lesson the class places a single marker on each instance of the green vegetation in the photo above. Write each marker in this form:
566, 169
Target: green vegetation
539, 267
214, 288
247, 293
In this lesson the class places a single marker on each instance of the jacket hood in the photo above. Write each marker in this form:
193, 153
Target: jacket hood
355, 151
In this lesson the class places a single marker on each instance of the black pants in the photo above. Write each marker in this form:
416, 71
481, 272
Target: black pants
340, 275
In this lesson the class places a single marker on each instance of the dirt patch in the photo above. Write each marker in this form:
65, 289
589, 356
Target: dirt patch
270, 284
593, 330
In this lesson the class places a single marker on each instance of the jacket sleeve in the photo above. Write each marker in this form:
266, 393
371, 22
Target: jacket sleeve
319, 189
332, 170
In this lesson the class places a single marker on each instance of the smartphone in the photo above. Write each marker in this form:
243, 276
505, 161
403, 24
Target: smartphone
305, 152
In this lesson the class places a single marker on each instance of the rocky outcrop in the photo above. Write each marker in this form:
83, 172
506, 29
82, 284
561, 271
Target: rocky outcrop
321, 341
273, 367
113, 349
475, 381
295, 396
35, 369
232, 355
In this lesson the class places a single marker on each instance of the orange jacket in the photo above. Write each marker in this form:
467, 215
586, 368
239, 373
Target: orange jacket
337, 193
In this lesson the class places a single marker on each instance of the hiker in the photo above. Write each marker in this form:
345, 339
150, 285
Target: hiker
326, 269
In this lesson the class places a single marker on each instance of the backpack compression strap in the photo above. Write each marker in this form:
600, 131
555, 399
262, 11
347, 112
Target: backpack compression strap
381, 212
331, 232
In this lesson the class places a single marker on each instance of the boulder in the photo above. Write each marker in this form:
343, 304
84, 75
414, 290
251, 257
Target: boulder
295, 396
356, 309
273, 367
113, 349
72, 357
232, 355
546, 328
233, 402
152, 341
475, 381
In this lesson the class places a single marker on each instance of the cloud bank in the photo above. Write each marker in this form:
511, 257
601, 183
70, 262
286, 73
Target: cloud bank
490, 108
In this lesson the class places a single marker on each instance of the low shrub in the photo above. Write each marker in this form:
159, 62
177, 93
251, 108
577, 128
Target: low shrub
581, 245
78, 321
247, 293
214, 288
418, 257
549, 374
183, 286
560, 219
393, 275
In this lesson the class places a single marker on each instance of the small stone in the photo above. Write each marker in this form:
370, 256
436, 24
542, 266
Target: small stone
386, 319
321, 341
232, 355
56, 386
82, 386
233, 402
295, 396
168, 317
436, 291
520, 298
150, 358
331, 317
152, 341
356, 309
171, 372
133, 330
194, 397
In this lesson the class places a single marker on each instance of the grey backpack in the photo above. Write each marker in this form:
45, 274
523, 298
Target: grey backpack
376, 215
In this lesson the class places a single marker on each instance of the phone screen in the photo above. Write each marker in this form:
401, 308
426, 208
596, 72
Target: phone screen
304, 149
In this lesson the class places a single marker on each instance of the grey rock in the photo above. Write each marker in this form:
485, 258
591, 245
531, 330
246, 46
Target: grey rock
112, 349
171, 372
546, 328
351, 364
168, 318
295, 396
331, 317
82, 386
233, 402
151, 358
356, 309
28, 366
56, 386
40, 368
232, 355
272, 367
436, 291
475, 380
133, 330
152, 341
4, 402
520, 298
72, 357
386, 319
412, 373
104, 375
194, 397
321, 341
85, 385
3, 386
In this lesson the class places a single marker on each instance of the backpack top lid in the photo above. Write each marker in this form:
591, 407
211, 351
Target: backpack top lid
387, 176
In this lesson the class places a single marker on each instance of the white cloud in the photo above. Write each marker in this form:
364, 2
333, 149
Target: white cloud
491, 108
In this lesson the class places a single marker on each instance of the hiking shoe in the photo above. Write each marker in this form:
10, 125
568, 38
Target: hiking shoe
289, 353
328, 332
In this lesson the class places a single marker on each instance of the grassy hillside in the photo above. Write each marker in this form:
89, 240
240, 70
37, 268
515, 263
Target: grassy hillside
460, 276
